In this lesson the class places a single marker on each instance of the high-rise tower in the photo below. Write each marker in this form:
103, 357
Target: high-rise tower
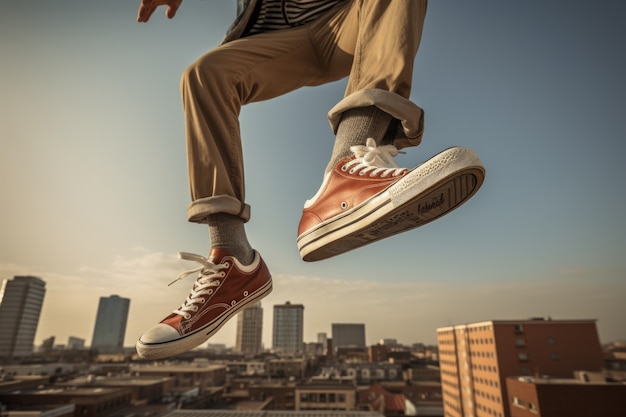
108, 334
250, 330
288, 328
20, 306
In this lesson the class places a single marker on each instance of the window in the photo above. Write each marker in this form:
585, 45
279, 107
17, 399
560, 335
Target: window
551, 341
518, 402
522, 356
555, 357
518, 328
520, 341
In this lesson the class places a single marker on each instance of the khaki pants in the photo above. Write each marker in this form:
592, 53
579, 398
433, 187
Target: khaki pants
374, 42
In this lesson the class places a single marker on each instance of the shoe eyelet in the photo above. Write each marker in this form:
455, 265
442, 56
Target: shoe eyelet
201, 300
194, 308
344, 205
352, 171
361, 173
226, 264
245, 293
344, 168
187, 316
209, 291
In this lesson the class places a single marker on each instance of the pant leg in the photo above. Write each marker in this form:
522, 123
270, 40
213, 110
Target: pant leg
383, 37
213, 90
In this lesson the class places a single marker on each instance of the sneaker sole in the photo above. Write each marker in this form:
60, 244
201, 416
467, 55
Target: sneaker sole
427, 193
153, 351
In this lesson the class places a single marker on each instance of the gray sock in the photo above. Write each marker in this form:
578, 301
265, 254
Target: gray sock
356, 126
227, 232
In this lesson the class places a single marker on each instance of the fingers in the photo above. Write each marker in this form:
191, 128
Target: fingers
173, 8
148, 7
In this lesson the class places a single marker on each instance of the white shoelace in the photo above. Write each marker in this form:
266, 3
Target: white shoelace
209, 277
375, 160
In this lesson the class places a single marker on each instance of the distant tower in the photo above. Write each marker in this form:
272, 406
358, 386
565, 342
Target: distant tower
288, 328
20, 306
250, 330
108, 335
348, 335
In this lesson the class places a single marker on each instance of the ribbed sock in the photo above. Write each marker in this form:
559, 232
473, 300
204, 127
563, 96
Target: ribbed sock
227, 232
356, 126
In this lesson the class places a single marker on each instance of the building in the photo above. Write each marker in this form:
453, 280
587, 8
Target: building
20, 306
75, 343
476, 359
198, 374
326, 396
108, 334
250, 330
288, 328
571, 397
347, 335
87, 401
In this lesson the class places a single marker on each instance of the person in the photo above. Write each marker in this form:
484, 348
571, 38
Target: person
272, 48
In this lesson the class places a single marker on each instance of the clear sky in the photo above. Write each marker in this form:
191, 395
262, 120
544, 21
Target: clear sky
93, 178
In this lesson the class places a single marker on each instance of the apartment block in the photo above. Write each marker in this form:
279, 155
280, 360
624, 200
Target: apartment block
21, 299
475, 359
327, 396
249, 338
288, 328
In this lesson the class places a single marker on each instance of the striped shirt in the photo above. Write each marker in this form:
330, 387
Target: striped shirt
285, 14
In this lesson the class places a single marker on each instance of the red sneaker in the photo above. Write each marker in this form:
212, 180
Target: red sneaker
223, 288
367, 197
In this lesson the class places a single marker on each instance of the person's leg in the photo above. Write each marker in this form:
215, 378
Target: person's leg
214, 89
364, 196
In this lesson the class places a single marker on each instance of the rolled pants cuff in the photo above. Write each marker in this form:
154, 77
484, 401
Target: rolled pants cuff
410, 115
198, 210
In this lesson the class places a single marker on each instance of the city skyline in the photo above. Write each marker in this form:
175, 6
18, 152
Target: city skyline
352, 332
94, 190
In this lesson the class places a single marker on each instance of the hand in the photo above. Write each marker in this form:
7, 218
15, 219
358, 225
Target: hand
148, 7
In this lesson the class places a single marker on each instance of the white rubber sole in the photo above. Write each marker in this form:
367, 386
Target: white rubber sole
427, 193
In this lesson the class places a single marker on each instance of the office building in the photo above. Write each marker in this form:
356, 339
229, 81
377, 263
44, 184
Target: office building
75, 343
108, 334
476, 359
250, 330
347, 335
21, 299
288, 328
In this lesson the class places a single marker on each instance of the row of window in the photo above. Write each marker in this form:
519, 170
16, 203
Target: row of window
483, 354
489, 410
486, 368
322, 397
523, 357
488, 382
